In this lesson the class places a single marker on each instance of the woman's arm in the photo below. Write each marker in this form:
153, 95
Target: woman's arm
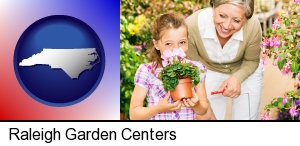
139, 112
252, 51
250, 62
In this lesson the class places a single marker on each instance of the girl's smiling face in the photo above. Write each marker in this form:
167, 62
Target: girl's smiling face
172, 38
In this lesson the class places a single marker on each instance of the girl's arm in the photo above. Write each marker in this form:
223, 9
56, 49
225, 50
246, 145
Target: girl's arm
208, 116
201, 92
139, 112
203, 105
199, 103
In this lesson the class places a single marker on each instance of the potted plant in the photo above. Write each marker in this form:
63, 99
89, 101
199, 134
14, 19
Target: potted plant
283, 45
178, 75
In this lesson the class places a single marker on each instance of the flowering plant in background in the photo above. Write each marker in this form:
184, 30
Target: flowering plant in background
287, 107
283, 43
283, 46
175, 67
141, 13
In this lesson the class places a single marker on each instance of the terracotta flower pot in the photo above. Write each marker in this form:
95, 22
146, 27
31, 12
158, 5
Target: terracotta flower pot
182, 90
122, 116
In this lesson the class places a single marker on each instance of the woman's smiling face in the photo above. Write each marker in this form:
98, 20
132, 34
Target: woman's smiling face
228, 19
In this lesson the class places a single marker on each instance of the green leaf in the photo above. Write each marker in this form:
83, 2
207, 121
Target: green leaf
280, 105
290, 101
282, 56
123, 20
275, 103
128, 73
295, 67
298, 53
270, 106
287, 105
290, 38
294, 75
172, 74
281, 63
296, 21
284, 48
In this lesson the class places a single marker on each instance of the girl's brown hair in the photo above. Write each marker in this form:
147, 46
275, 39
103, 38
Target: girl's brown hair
160, 25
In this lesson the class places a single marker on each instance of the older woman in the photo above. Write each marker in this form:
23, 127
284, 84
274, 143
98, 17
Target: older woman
226, 39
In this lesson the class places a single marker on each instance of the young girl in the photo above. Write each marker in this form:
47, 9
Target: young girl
169, 31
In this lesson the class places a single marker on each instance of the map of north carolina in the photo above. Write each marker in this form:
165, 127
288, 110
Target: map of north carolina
71, 61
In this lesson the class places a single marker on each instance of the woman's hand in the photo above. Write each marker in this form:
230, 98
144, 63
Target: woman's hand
191, 102
164, 106
232, 87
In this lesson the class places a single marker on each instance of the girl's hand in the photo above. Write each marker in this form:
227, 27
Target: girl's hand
164, 106
191, 102
232, 87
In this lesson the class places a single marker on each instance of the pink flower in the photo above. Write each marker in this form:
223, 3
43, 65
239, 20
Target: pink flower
144, 44
266, 116
286, 69
137, 48
292, 25
298, 75
181, 53
293, 111
274, 41
265, 42
276, 59
165, 63
264, 50
186, 15
276, 23
169, 56
176, 52
171, 5
285, 99
263, 60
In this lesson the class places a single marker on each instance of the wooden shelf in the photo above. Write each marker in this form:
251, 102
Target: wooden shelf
268, 17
